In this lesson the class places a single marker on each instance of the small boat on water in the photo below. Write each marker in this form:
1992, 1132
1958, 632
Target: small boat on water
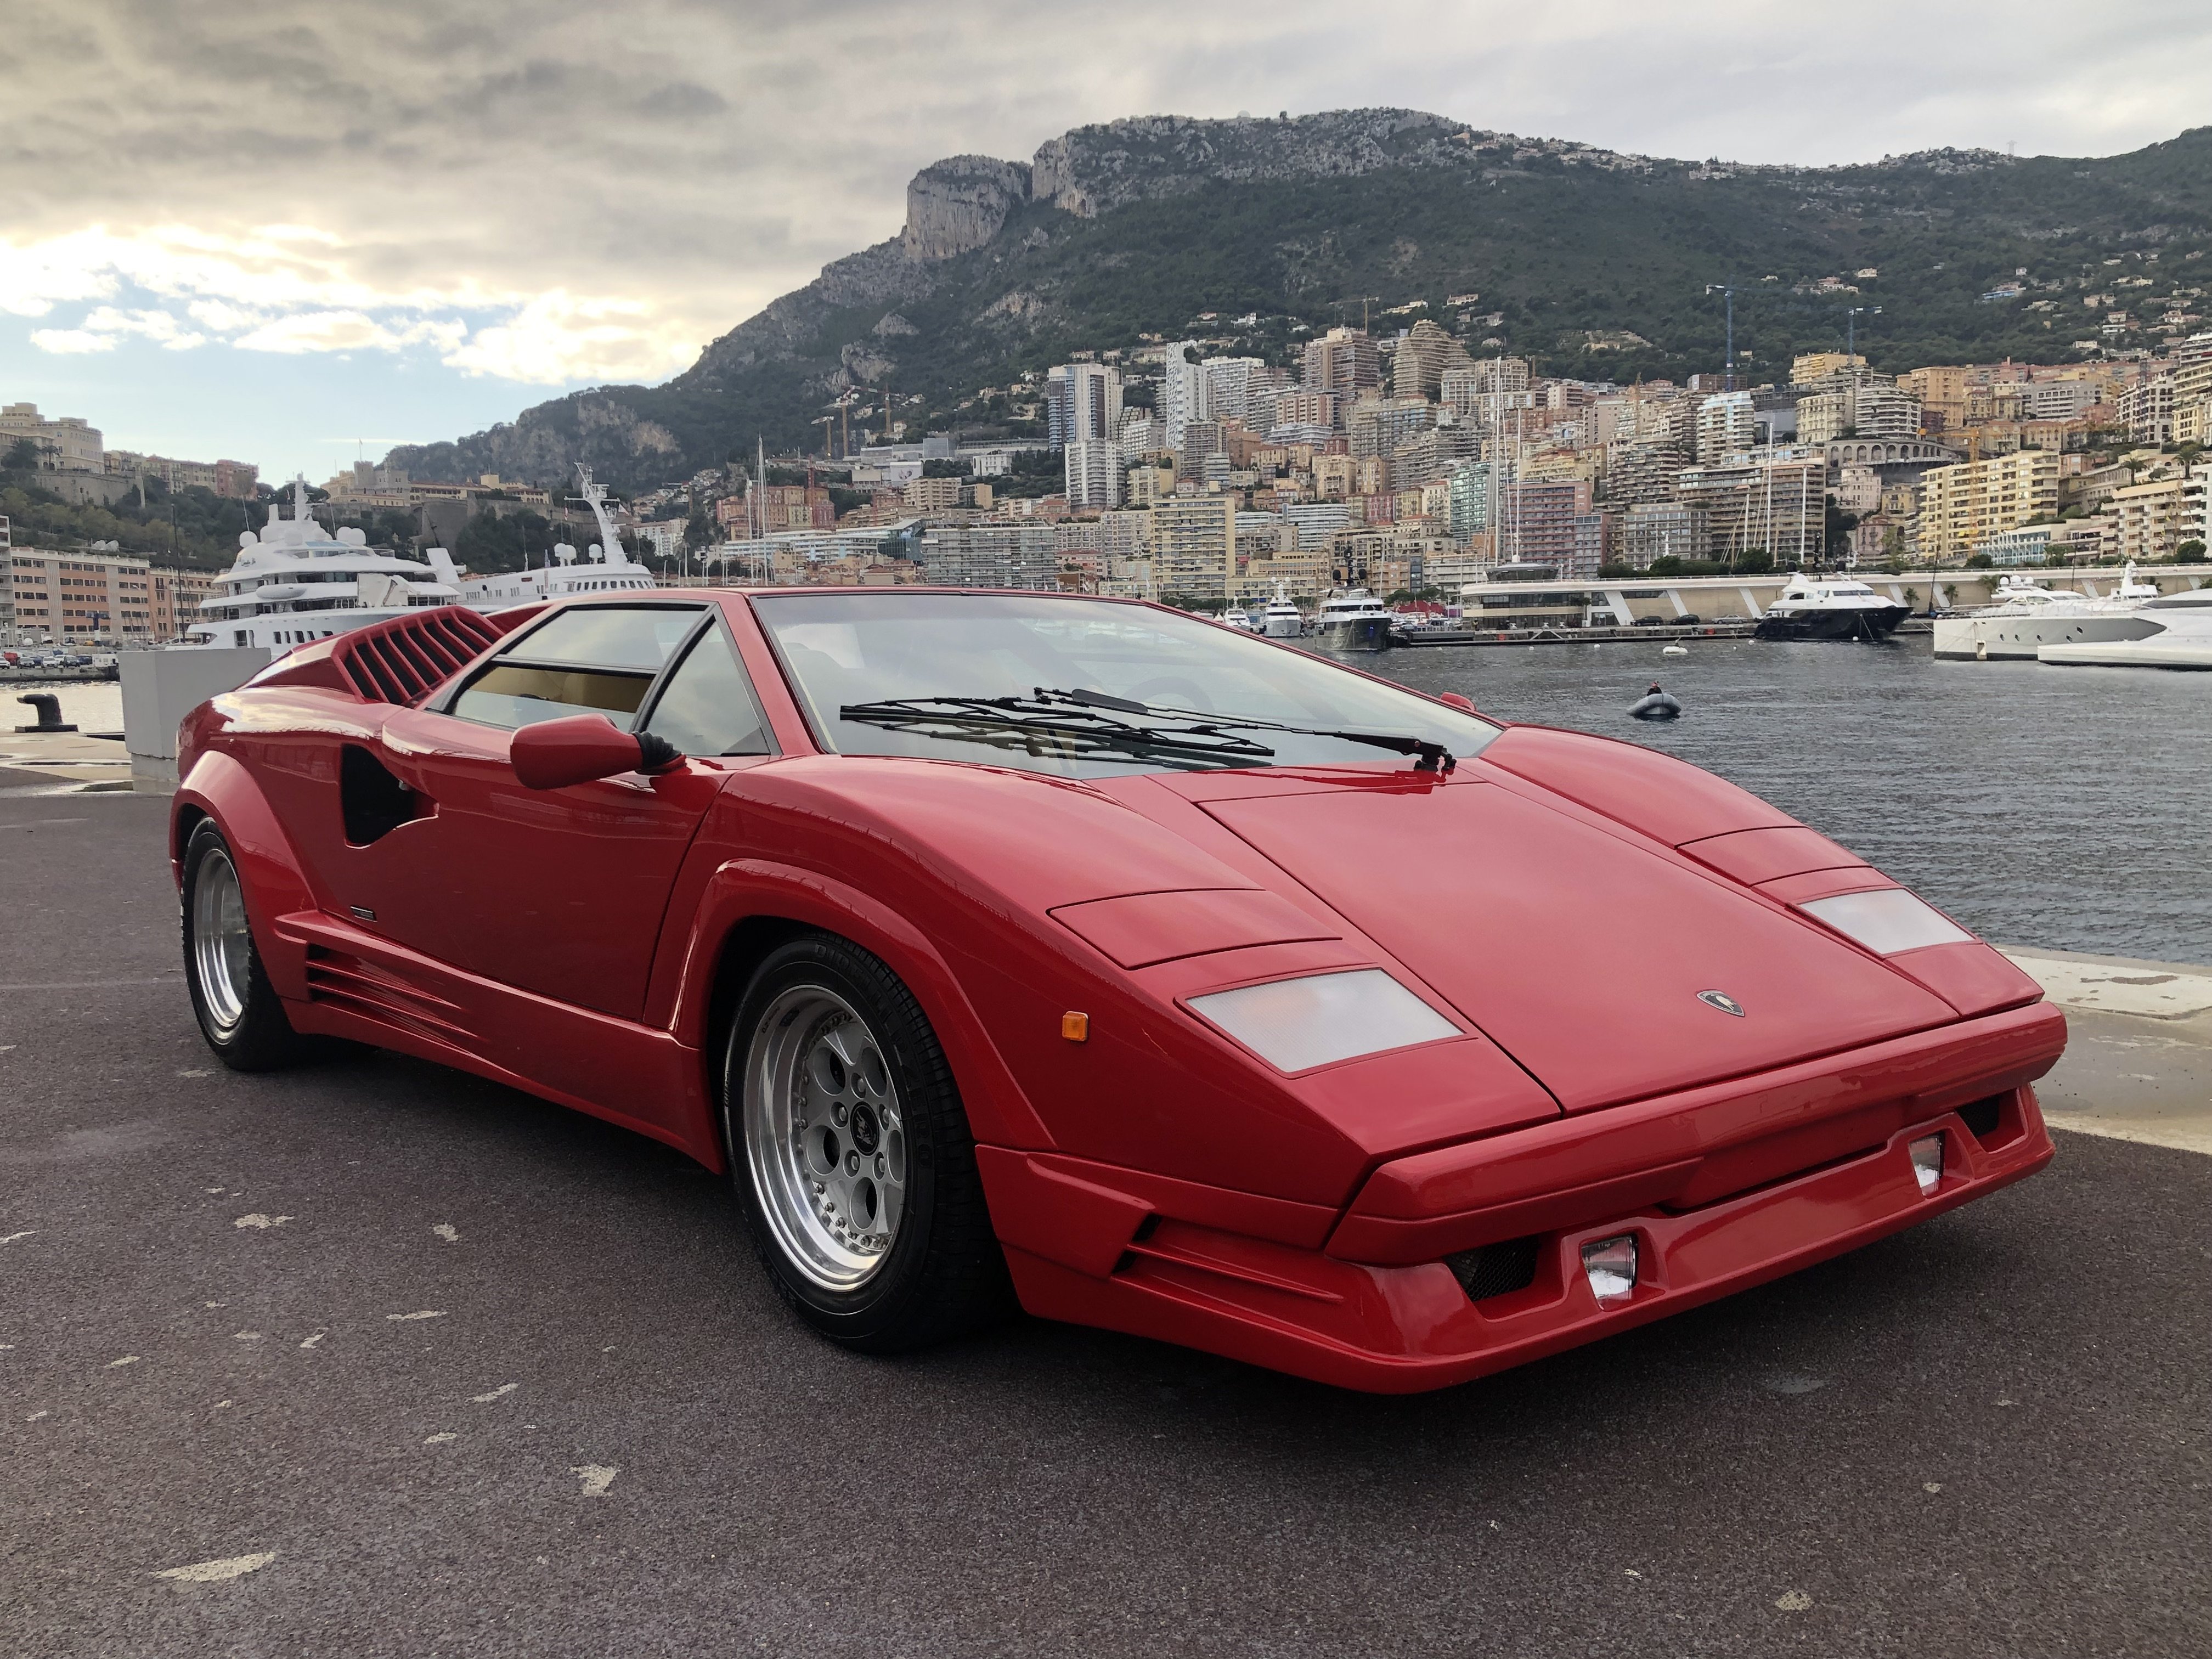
1353, 619
2025, 617
1829, 608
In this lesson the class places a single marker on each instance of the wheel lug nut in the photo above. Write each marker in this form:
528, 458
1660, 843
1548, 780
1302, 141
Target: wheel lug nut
837, 1114
881, 1167
852, 1163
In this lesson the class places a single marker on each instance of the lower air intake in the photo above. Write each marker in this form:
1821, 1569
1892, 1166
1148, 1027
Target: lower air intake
1496, 1269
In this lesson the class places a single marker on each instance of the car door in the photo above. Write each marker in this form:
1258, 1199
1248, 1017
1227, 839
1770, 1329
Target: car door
560, 892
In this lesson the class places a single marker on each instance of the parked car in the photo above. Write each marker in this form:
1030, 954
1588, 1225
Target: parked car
1078, 955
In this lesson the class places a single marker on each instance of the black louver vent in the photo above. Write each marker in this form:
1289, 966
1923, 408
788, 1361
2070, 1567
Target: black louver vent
1496, 1269
398, 661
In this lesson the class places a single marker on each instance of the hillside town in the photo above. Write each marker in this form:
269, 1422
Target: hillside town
1390, 456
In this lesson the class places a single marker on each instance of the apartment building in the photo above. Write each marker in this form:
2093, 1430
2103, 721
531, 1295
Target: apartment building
177, 596
1082, 402
80, 596
2148, 408
1018, 554
65, 442
1093, 474
1868, 410
1727, 425
1343, 360
1960, 506
1379, 425
1417, 368
1194, 545
2155, 517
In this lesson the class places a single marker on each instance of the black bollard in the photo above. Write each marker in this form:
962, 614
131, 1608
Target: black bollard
49, 708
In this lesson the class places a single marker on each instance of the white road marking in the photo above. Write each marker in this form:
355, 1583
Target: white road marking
215, 1304
197, 1072
1932, 1486
247, 1336
316, 1338
214, 1572
12, 1237
210, 1189
440, 1439
1793, 1601
446, 1230
127, 1359
597, 1478
486, 1399
263, 1222
35, 1416
432, 1313
219, 1404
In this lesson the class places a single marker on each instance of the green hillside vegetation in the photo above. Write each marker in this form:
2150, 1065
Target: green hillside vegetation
1559, 245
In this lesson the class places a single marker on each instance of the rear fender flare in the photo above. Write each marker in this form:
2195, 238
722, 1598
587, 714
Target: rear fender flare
997, 1111
220, 787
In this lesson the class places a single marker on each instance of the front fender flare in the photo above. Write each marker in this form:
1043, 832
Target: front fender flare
998, 1112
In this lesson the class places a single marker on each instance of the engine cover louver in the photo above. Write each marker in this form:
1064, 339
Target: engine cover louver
400, 661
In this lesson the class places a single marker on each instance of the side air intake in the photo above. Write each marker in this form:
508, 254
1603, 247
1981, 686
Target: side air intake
400, 661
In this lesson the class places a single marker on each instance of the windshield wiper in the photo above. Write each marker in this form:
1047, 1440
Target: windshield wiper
1432, 756
1077, 723
1041, 726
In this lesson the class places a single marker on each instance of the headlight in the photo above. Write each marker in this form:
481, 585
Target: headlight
1885, 921
1294, 1024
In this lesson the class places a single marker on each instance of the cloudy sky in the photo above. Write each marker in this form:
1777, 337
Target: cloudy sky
275, 231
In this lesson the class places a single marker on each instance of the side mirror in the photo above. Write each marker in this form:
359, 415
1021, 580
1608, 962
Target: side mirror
553, 754
1458, 701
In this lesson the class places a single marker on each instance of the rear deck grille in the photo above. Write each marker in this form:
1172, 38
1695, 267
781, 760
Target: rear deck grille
399, 660
1496, 1269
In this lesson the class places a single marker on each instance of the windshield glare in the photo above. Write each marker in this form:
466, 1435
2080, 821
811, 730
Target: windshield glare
873, 647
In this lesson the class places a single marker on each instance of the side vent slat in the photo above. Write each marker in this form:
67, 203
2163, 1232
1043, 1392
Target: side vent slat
400, 661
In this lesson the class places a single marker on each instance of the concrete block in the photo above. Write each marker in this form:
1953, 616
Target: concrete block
160, 688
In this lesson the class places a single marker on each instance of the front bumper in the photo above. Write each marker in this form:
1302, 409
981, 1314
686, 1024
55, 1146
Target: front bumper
1376, 1307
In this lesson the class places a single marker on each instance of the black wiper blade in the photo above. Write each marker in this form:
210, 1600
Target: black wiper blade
1041, 727
1432, 756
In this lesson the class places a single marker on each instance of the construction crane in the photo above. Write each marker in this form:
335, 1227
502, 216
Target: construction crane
1851, 332
1727, 289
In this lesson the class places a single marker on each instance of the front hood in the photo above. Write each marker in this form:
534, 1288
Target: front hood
1578, 949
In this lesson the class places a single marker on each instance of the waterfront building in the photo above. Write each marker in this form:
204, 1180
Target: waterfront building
2028, 545
2154, 518
1663, 530
80, 596
1960, 506
1193, 546
1009, 555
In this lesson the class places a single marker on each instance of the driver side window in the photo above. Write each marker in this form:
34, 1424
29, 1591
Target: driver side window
707, 707
586, 660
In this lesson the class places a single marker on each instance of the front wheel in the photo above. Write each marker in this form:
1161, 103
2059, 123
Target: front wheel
237, 1008
852, 1154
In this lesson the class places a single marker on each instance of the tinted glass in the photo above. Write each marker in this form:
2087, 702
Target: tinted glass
514, 694
610, 636
707, 707
844, 649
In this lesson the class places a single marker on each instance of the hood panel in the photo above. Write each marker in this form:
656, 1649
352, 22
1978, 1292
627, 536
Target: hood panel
1580, 953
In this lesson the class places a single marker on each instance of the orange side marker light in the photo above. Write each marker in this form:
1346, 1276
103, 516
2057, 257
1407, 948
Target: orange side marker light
1075, 1027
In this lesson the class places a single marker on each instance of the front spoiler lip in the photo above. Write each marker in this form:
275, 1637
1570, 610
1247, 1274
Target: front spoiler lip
1405, 1329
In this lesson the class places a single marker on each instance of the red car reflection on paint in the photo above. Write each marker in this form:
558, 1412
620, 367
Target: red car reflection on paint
1077, 953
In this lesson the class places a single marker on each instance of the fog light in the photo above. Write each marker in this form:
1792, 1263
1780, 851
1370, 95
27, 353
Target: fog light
1928, 1162
1610, 1267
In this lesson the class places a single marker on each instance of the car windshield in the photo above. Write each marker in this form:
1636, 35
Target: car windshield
860, 650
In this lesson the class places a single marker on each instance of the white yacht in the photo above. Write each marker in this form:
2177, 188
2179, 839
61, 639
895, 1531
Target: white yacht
1353, 620
2173, 631
2025, 617
608, 570
1829, 608
295, 581
1240, 619
1282, 620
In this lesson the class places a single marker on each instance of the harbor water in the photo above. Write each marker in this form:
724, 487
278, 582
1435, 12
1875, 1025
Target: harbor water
2069, 809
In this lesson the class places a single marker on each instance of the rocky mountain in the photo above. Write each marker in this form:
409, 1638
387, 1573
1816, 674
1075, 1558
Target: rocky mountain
1592, 262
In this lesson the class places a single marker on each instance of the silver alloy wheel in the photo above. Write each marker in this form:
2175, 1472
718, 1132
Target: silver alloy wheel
824, 1137
222, 944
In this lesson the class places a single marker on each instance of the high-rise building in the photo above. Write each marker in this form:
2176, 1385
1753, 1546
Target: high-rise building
1193, 544
1093, 474
1469, 510
1183, 396
1229, 382
1379, 425
1663, 530
990, 555
1962, 506
1082, 401
1551, 523
1343, 360
1727, 425
1416, 368
78, 596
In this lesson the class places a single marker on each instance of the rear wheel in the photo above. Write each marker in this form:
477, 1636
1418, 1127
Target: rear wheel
852, 1154
238, 1010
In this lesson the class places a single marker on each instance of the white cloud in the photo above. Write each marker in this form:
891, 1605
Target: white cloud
67, 342
346, 330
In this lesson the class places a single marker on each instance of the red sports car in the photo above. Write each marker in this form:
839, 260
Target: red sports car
1076, 953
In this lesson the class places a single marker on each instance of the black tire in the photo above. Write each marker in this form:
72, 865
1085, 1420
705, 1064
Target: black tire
241, 1015
943, 1273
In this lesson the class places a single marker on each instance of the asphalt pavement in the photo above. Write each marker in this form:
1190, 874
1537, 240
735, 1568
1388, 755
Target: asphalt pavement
393, 1361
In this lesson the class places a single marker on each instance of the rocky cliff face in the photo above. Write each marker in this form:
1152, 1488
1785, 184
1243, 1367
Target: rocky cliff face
955, 205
